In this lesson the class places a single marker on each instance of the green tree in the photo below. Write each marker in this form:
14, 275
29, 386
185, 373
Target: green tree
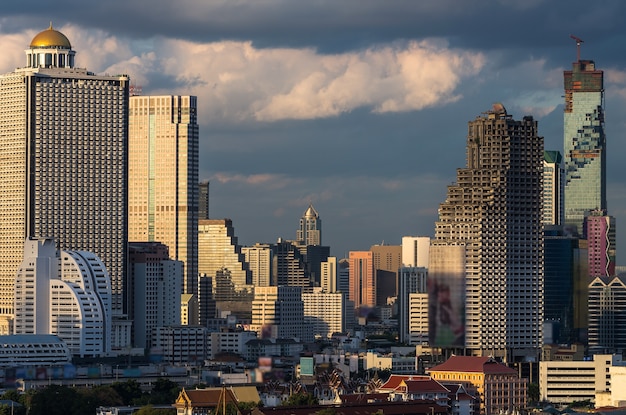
100, 396
57, 400
533, 393
301, 399
150, 410
129, 391
164, 391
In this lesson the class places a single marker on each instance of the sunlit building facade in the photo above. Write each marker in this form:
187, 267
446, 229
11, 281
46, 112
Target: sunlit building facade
584, 143
163, 177
553, 188
63, 162
362, 280
493, 212
310, 231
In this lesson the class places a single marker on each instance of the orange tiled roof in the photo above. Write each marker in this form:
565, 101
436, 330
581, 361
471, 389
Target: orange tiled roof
485, 364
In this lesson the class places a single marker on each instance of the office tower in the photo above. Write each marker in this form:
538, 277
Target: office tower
277, 312
490, 224
259, 260
67, 294
412, 280
63, 162
288, 265
313, 256
163, 177
415, 251
607, 315
343, 275
203, 200
310, 232
559, 278
584, 142
206, 300
553, 188
189, 314
362, 280
599, 231
323, 314
387, 261
329, 275
155, 286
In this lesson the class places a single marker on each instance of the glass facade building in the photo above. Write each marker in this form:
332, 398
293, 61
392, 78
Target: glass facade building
584, 143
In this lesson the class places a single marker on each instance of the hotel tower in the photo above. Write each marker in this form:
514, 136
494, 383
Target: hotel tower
63, 162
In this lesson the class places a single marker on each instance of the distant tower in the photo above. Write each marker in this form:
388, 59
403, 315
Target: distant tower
63, 162
259, 260
163, 177
310, 232
203, 200
362, 280
488, 246
584, 142
553, 188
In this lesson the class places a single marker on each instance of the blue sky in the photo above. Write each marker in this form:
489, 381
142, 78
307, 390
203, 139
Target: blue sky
358, 106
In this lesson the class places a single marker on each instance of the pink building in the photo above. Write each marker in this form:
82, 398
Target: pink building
600, 234
362, 281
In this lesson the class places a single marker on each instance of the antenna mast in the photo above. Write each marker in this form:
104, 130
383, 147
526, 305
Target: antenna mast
578, 42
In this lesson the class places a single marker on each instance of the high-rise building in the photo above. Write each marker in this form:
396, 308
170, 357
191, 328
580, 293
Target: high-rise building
599, 231
67, 294
278, 312
323, 314
607, 315
310, 232
584, 142
328, 272
163, 177
412, 318
155, 287
206, 300
492, 214
387, 261
203, 200
415, 251
220, 257
63, 162
362, 280
553, 188
289, 265
259, 260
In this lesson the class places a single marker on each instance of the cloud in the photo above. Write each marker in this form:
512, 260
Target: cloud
237, 81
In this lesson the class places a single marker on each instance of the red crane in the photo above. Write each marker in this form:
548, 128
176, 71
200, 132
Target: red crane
578, 42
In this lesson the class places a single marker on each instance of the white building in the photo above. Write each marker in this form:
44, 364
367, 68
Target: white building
230, 341
155, 283
181, 345
415, 251
63, 162
323, 314
563, 382
68, 295
278, 312
33, 350
553, 188
328, 275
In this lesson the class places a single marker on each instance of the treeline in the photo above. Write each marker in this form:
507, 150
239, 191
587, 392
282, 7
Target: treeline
65, 400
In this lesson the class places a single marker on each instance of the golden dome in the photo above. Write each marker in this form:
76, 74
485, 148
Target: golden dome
50, 38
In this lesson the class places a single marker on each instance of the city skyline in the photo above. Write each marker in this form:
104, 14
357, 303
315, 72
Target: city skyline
374, 147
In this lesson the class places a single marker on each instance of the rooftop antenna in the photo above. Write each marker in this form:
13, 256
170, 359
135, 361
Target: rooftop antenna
578, 42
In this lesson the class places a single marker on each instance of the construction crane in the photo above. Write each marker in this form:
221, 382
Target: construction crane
578, 42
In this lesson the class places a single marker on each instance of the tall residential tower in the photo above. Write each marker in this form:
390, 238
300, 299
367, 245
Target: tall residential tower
163, 177
63, 162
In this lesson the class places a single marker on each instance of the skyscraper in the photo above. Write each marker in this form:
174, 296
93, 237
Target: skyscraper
493, 215
600, 235
362, 280
584, 142
63, 162
310, 232
163, 177
553, 188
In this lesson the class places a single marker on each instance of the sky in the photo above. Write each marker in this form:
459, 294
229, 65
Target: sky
359, 107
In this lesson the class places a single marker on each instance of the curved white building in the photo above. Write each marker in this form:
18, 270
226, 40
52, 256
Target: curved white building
68, 295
